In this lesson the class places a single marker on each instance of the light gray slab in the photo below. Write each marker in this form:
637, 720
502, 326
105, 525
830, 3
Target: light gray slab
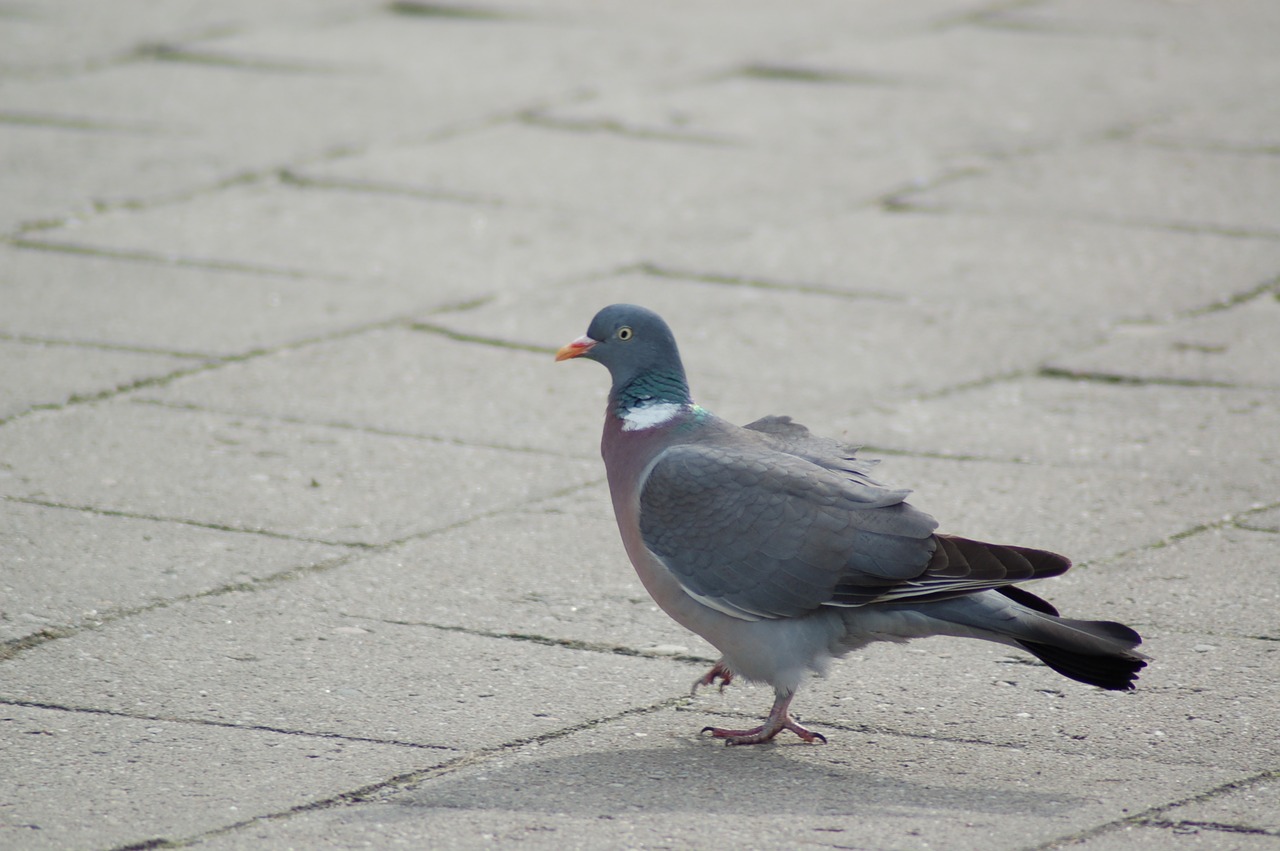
89, 780
646, 782
330, 484
1086, 514
1207, 436
751, 351
1050, 270
1190, 707
283, 659
557, 571
64, 568
1126, 183
35, 374
1158, 836
443, 249
81, 298
414, 382
1218, 582
1253, 806
1236, 345
704, 191
62, 34
1266, 521
940, 97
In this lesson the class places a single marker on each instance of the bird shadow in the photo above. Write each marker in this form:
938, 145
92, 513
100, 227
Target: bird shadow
716, 780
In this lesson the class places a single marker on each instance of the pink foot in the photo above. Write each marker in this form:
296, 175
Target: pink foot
719, 672
779, 719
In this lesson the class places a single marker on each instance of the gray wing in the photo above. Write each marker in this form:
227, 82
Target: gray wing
786, 435
758, 533
764, 534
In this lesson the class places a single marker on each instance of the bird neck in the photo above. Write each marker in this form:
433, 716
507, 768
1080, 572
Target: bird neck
650, 389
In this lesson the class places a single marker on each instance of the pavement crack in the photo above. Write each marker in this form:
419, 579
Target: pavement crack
229, 725
159, 258
657, 270
1058, 372
543, 640
537, 118
1153, 814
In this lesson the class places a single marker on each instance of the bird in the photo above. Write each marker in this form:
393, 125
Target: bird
780, 549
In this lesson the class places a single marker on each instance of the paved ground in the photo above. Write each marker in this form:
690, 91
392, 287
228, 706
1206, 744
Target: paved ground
304, 537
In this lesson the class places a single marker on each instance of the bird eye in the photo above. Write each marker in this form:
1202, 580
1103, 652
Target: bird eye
625, 333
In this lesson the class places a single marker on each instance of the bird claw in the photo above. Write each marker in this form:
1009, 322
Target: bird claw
719, 672
764, 733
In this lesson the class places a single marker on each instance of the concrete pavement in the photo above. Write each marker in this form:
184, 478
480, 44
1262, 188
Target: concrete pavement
304, 541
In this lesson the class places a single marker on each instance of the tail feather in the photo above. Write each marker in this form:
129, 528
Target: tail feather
1100, 653
1114, 671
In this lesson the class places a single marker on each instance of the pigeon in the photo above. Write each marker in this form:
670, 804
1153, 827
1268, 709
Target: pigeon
781, 550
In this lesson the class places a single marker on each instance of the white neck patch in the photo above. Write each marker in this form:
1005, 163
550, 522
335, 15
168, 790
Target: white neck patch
650, 415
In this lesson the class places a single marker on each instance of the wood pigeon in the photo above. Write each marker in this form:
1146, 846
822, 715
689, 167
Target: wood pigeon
779, 548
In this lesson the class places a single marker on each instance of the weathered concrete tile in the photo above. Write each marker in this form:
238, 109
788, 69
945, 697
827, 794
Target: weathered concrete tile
444, 250
1266, 521
37, 374
751, 351
856, 98
399, 380
644, 782
72, 33
1253, 806
331, 484
1086, 514
283, 659
1084, 272
1191, 707
1153, 834
60, 567
1129, 183
1236, 346
705, 191
89, 780
187, 310
1249, 127
557, 571
1218, 439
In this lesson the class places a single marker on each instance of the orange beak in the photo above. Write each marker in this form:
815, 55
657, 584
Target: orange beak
577, 348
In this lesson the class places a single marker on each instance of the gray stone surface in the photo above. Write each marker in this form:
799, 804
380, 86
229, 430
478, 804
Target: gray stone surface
304, 539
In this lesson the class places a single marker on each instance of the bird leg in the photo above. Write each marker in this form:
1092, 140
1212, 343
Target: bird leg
719, 672
779, 719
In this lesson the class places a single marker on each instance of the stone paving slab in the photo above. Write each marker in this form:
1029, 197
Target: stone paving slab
1069, 270
281, 659
644, 782
49, 36
92, 779
300, 261
64, 568
35, 374
170, 308
1184, 189
376, 381
1207, 435
448, 252
1234, 346
885, 348
708, 191
322, 483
